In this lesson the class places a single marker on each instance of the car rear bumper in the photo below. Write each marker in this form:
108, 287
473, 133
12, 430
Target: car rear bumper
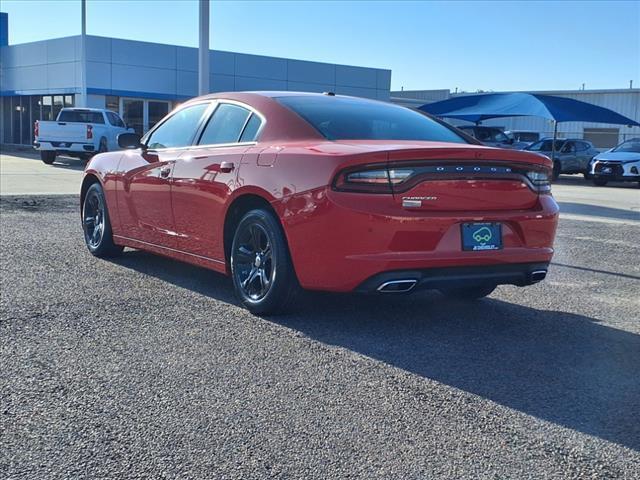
340, 241
62, 147
403, 281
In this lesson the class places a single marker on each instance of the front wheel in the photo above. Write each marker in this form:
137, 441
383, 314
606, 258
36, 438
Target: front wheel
261, 267
47, 156
469, 293
98, 235
600, 182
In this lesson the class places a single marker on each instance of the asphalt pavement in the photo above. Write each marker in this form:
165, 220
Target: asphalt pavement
142, 367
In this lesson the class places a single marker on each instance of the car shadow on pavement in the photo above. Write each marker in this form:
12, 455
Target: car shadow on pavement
69, 163
557, 366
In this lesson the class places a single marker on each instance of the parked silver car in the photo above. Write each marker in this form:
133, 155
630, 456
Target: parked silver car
571, 155
620, 164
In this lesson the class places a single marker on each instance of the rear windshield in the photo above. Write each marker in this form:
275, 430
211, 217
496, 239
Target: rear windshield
346, 118
80, 116
630, 146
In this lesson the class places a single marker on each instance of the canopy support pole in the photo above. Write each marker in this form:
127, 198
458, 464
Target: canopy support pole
553, 144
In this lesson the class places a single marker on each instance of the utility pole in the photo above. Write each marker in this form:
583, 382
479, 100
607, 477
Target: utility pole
203, 49
82, 97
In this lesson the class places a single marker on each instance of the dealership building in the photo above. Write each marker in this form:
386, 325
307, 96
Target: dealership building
143, 81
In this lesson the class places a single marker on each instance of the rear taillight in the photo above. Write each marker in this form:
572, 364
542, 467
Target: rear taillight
89, 132
371, 180
540, 181
36, 128
374, 179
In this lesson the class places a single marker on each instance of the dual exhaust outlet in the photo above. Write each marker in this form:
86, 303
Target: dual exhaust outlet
407, 284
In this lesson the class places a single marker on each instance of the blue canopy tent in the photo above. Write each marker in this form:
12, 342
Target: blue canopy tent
475, 108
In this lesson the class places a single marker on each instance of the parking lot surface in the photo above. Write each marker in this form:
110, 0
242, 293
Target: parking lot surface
142, 367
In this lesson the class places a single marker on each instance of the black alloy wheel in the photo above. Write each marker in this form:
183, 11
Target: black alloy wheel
261, 266
95, 224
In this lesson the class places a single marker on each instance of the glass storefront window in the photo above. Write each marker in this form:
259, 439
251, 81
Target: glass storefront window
68, 100
157, 111
112, 103
6, 120
47, 107
58, 103
133, 114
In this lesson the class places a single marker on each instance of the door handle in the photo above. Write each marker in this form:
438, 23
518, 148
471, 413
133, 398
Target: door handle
165, 171
226, 167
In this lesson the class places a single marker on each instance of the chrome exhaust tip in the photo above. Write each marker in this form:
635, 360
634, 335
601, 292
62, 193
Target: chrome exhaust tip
397, 286
537, 275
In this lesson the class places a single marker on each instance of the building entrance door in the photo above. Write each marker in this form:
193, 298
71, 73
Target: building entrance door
141, 114
132, 112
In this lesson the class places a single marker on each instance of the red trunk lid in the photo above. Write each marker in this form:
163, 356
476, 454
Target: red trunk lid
469, 179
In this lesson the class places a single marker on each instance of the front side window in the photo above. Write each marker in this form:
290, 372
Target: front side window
346, 118
545, 146
179, 129
225, 125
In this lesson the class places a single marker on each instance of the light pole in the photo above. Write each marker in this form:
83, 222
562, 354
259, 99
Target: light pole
82, 97
203, 49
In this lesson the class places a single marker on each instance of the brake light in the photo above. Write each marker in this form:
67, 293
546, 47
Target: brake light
36, 128
371, 180
540, 181
89, 132
374, 179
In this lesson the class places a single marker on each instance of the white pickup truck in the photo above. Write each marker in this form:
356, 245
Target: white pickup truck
78, 132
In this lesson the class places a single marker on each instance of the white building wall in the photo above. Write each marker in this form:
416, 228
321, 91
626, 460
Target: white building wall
151, 70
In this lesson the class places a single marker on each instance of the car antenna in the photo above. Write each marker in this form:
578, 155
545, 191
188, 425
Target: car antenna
329, 94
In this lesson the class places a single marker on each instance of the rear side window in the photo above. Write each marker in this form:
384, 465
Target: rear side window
251, 129
347, 118
115, 120
225, 125
179, 129
80, 116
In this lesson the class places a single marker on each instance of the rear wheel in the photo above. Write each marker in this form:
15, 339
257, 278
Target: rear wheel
98, 235
600, 182
103, 145
468, 293
47, 156
261, 267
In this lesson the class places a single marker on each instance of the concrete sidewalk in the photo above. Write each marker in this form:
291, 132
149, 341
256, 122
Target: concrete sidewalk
23, 173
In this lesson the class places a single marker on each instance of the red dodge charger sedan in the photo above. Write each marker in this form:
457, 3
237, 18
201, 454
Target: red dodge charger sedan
285, 190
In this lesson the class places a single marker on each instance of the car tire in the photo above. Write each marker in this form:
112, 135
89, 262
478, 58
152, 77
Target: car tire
599, 182
261, 268
96, 225
468, 293
47, 156
557, 170
102, 148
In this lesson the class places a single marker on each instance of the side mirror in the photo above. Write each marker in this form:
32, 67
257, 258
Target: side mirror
129, 140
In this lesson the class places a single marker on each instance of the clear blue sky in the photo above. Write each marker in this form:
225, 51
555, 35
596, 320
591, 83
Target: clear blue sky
470, 45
